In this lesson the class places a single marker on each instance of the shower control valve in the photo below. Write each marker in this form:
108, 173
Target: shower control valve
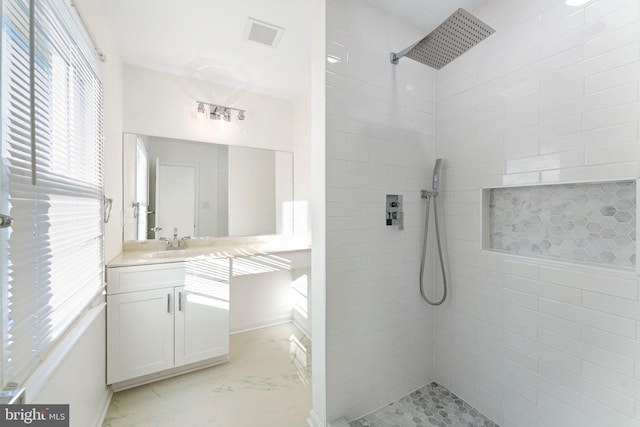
394, 212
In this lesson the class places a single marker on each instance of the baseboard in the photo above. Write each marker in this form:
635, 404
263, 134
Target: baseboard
340, 422
314, 420
260, 325
103, 408
169, 373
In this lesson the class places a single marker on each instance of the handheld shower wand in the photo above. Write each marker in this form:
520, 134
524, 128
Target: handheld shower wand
436, 175
428, 195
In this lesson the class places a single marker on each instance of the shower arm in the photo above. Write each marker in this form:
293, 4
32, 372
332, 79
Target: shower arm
395, 56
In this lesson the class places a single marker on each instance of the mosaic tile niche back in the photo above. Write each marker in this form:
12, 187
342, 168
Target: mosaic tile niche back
590, 223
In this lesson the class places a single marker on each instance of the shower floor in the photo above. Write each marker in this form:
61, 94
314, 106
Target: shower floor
432, 405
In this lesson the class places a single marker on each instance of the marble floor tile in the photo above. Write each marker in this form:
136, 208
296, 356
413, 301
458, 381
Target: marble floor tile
432, 405
266, 383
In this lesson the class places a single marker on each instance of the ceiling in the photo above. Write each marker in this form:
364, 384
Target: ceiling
425, 14
205, 38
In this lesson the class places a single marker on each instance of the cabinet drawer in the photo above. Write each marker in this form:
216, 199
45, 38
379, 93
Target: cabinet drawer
144, 277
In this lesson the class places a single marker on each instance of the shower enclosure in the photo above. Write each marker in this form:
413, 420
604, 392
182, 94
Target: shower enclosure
550, 98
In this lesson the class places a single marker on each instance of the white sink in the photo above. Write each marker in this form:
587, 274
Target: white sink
175, 254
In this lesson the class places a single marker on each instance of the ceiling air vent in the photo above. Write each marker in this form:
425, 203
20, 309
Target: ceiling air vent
263, 32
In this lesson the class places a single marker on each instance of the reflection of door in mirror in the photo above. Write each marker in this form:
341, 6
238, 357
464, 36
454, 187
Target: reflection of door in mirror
176, 188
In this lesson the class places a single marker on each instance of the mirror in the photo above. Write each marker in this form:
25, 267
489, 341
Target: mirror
204, 189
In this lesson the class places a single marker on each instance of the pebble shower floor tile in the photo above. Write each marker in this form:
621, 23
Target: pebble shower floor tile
432, 405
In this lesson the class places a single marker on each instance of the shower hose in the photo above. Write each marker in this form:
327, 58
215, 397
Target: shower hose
424, 250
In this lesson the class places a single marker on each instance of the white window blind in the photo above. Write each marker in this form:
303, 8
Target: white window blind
52, 257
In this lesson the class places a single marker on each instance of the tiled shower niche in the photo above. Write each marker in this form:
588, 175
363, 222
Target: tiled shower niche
591, 222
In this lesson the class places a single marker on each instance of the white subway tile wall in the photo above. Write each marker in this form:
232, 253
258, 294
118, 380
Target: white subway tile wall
380, 129
586, 222
552, 97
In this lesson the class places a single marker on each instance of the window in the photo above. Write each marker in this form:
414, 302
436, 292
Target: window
51, 259
142, 183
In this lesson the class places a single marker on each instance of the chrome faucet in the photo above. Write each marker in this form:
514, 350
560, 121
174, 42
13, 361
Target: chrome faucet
175, 243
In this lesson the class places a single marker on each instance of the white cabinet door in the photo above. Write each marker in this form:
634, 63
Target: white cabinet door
202, 323
139, 333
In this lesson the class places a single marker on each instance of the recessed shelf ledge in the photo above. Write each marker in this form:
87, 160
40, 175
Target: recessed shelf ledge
590, 223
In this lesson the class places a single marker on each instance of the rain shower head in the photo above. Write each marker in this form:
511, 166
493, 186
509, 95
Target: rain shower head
456, 35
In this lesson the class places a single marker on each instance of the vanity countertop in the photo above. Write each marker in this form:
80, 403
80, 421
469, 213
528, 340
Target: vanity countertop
152, 252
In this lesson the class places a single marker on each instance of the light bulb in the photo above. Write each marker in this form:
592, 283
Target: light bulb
201, 112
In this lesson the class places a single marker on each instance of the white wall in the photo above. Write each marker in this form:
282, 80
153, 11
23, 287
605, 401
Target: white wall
79, 377
162, 104
111, 77
379, 141
259, 300
552, 96
262, 290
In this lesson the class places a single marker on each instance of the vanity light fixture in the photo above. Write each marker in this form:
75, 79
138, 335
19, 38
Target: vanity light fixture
218, 112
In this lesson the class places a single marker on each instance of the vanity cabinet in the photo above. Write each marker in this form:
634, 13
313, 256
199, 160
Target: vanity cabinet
165, 319
139, 334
